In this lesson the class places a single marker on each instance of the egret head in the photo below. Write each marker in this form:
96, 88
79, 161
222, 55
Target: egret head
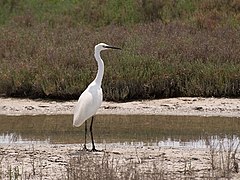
103, 46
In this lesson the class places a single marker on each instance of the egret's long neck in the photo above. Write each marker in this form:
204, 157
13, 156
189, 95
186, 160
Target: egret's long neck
100, 64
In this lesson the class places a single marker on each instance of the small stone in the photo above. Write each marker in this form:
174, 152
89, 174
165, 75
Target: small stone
199, 108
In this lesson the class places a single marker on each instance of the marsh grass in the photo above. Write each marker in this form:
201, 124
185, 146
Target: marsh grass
157, 61
223, 158
201, 13
85, 166
170, 48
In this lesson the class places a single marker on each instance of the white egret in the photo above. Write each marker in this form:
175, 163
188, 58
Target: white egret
91, 99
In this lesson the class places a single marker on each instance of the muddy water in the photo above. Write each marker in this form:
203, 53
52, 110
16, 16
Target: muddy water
172, 131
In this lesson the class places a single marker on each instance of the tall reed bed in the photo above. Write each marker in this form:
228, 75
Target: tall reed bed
157, 61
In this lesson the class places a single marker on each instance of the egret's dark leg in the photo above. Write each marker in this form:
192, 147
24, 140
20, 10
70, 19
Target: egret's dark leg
91, 125
85, 140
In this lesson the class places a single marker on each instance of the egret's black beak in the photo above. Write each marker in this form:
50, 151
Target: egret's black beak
112, 47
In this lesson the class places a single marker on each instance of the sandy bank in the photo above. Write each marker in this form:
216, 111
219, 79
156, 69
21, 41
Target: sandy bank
173, 106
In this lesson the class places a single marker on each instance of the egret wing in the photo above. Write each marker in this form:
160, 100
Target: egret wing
87, 105
81, 110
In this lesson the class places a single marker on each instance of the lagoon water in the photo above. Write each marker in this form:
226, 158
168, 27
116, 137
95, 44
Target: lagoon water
170, 131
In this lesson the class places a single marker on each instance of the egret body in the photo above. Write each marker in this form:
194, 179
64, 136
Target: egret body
91, 99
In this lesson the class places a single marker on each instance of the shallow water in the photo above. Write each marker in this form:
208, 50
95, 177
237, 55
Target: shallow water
174, 131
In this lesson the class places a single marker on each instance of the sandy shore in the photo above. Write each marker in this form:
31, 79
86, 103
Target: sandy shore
47, 161
174, 106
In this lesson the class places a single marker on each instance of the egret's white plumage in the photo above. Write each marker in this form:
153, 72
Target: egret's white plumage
91, 99
88, 104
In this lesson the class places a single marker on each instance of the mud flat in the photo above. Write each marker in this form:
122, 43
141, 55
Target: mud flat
59, 161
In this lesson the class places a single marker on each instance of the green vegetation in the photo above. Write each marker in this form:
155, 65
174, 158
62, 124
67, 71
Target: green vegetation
170, 48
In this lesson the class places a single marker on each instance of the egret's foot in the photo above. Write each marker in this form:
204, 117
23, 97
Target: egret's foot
96, 150
85, 148
91, 150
